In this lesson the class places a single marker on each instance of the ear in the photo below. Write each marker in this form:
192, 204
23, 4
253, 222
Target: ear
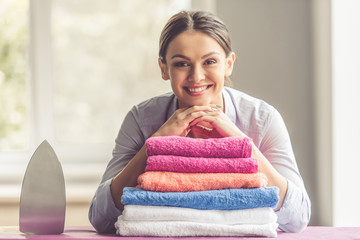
229, 64
164, 71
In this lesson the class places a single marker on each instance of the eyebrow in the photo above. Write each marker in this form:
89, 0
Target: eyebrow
180, 56
210, 53
187, 58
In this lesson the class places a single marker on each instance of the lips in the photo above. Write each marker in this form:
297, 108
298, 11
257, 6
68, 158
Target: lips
196, 90
199, 89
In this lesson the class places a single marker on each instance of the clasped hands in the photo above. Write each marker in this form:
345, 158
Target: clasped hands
201, 122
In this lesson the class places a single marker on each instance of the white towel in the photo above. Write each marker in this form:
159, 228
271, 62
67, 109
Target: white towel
161, 213
192, 229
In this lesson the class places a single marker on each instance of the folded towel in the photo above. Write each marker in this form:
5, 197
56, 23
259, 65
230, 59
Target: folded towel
188, 229
198, 147
173, 163
159, 213
225, 199
186, 182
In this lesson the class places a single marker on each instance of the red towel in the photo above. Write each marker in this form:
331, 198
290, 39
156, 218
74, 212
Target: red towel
187, 182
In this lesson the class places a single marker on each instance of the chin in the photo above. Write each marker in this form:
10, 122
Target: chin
200, 103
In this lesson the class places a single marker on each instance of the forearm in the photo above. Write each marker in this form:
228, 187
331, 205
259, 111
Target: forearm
128, 176
274, 177
295, 213
176, 125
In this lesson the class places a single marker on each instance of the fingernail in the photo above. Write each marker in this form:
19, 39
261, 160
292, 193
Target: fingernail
214, 109
206, 112
219, 106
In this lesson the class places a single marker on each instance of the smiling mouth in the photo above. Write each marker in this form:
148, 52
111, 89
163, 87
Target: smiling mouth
196, 89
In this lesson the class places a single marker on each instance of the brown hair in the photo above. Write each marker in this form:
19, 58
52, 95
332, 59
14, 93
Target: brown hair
202, 21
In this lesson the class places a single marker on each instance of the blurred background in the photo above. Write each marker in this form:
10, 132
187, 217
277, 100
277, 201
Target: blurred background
71, 69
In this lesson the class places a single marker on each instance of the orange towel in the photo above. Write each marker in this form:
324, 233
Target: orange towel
187, 182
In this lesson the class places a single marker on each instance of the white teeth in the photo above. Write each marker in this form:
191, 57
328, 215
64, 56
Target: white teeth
197, 89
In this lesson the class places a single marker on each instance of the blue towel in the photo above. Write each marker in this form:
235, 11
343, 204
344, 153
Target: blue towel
225, 199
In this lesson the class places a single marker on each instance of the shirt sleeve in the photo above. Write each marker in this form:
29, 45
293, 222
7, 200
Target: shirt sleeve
294, 215
102, 212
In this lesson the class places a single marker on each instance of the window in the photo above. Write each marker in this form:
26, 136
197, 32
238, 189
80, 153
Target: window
13, 96
70, 71
104, 61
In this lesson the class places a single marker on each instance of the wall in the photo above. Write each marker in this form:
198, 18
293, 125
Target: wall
273, 43
322, 65
346, 111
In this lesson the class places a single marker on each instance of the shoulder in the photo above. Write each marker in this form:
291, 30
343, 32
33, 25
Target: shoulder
252, 115
152, 113
155, 101
154, 105
249, 105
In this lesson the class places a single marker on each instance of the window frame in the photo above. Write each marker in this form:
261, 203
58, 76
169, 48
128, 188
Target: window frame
39, 83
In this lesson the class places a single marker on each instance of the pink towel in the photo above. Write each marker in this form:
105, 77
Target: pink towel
198, 147
173, 163
188, 182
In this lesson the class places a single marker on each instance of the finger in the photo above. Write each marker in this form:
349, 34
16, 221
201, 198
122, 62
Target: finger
217, 106
196, 112
207, 116
205, 133
185, 116
207, 122
199, 109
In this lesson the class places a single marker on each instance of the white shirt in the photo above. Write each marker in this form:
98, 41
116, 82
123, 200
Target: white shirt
255, 118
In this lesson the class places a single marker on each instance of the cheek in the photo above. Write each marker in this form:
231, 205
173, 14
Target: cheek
217, 74
176, 81
178, 76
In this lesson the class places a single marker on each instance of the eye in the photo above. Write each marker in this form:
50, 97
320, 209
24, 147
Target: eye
181, 64
210, 61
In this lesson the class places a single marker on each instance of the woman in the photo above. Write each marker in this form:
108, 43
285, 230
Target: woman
195, 56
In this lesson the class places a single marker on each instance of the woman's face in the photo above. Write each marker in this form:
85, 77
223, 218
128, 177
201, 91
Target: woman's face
196, 66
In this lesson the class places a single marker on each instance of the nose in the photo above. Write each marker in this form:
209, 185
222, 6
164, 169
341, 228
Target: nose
197, 74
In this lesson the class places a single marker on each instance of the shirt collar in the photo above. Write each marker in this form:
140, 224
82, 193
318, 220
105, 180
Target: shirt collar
229, 105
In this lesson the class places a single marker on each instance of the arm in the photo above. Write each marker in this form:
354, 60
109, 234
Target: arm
128, 177
176, 125
129, 161
277, 162
274, 177
294, 214
221, 126
103, 212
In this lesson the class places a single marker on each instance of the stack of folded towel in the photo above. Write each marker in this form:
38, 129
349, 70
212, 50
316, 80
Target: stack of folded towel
199, 187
